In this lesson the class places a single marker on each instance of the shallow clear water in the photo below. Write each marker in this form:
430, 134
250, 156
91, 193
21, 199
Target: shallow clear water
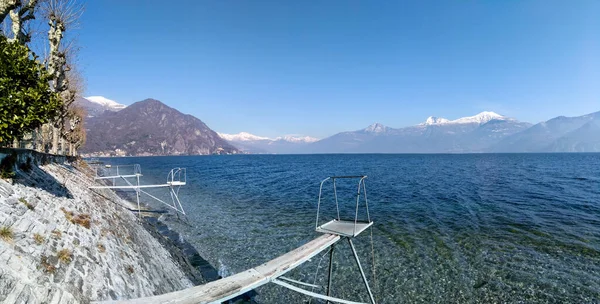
480, 228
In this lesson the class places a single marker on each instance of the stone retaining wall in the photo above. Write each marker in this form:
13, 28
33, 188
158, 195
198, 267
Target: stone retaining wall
61, 242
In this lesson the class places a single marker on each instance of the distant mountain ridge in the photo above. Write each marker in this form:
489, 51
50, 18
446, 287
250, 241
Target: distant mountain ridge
251, 143
150, 127
560, 134
481, 133
436, 135
245, 136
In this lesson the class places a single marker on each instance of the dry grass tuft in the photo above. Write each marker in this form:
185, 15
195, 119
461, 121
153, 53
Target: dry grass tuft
101, 247
6, 233
68, 214
47, 267
83, 220
65, 255
56, 234
38, 238
26, 203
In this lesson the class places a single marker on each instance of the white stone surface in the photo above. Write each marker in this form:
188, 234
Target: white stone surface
133, 264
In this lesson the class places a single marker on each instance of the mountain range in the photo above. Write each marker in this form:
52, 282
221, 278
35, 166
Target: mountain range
560, 134
151, 128
250, 143
471, 134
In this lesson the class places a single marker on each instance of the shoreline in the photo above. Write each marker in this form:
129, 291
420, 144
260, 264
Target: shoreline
65, 243
198, 269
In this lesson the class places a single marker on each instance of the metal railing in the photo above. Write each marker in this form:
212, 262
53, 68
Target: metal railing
361, 187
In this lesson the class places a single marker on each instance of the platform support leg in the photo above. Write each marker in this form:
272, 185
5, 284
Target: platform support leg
361, 272
330, 277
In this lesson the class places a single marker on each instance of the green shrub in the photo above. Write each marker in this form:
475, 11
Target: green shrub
26, 101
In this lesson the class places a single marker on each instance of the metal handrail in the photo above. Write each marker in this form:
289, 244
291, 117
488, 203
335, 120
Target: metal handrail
319, 202
361, 182
175, 175
349, 176
114, 170
176, 178
357, 201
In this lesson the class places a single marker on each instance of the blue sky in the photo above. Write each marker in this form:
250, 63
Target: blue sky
321, 67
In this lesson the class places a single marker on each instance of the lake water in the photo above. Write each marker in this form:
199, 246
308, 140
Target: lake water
479, 228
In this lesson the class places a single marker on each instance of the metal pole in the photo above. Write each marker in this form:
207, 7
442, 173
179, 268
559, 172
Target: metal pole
137, 193
329, 279
319, 203
361, 271
356, 214
366, 202
337, 207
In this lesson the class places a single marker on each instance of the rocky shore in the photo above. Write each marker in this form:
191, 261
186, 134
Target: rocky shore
61, 242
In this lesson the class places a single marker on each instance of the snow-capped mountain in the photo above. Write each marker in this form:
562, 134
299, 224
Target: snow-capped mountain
480, 118
103, 101
96, 105
297, 139
242, 136
376, 128
258, 144
432, 120
436, 135
245, 136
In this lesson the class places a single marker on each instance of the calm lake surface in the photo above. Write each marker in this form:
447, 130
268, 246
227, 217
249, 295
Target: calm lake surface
478, 228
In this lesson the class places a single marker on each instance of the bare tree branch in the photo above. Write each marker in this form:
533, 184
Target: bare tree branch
20, 17
65, 12
62, 15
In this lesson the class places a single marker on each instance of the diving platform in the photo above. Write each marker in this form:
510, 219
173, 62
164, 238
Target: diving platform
344, 228
176, 178
333, 231
139, 186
